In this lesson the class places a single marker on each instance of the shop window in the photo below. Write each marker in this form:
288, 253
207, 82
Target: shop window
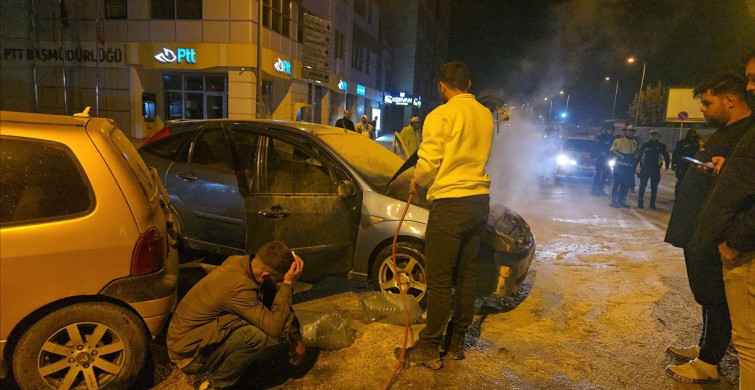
116, 9
277, 16
195, 96
176, 9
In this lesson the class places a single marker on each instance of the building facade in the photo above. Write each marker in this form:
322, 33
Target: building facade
143, 62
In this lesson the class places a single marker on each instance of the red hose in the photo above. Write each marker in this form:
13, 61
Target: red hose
402, 293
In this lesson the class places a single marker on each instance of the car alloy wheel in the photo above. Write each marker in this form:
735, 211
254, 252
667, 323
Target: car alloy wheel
410, 262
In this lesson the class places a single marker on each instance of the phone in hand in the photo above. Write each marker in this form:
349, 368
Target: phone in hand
700, 163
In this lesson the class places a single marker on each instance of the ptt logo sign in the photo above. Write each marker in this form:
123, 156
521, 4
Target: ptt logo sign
283, 66
181, 55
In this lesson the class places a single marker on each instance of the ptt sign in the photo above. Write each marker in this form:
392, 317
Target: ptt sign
283, 66
167, 56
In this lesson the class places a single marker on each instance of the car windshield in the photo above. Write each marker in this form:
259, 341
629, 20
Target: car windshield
375, 164
578, 144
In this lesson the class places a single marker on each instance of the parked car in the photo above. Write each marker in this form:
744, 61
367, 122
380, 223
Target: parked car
87, 270
574, 157
324, 192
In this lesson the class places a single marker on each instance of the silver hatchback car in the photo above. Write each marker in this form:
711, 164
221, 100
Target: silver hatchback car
323, 191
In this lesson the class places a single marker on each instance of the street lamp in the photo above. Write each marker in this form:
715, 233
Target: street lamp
566, 109
631, 60
550, 110
615, 94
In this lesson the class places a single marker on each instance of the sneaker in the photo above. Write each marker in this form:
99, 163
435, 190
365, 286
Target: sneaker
456, 348
696, 371
420, 356
640, 205
686, 354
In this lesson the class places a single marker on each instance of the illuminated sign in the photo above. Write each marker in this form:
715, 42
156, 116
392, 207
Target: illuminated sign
181, 55
343, 85
360, 89
283, 66
401, 100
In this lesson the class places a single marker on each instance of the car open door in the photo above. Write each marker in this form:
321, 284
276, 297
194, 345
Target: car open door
296, 194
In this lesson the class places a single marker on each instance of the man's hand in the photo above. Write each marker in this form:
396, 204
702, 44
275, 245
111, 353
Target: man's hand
718, 162
727, 253
296, 353
413, 186
295, 271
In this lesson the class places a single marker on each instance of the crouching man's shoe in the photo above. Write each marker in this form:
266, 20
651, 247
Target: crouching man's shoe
696, 371
686, 354
420, 356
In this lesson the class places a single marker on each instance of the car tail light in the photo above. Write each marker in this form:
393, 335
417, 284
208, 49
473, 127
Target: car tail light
148, 253
163, 133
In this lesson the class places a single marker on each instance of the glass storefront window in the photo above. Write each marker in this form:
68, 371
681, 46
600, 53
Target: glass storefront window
195, 96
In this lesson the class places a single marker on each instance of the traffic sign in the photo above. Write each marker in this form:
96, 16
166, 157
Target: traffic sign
683, 115
316, 61
318, 51
315, 74
313, 21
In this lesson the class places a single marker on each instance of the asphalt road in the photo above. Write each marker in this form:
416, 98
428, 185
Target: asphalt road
604, 297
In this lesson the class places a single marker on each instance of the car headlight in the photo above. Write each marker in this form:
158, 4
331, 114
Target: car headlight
565, 160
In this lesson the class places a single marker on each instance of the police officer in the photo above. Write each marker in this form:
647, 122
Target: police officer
650, 155
601, 153
624, 148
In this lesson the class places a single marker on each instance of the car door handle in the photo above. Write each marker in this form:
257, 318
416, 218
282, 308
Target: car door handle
188, 176
275, 212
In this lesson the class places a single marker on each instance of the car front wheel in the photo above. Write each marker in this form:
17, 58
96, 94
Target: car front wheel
82, 346
410, 264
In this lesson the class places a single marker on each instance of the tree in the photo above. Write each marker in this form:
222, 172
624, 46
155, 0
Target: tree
652, 107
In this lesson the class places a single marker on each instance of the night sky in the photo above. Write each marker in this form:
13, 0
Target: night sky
523, 51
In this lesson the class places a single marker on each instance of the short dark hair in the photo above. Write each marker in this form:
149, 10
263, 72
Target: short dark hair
730, 83
750, 57
276, 255
455, 74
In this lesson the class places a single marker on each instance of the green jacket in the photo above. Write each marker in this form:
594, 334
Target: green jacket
224, 300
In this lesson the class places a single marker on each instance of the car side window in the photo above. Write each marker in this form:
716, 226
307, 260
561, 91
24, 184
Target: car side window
290, 169
245, 144
169, 147
211, 150
40, 181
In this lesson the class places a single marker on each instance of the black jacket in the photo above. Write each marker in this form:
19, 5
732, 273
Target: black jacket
345, 123
601, 149
729, 213
686, 147
650, 153
697, 185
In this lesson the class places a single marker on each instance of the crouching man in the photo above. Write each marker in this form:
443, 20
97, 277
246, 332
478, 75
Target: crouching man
223, 323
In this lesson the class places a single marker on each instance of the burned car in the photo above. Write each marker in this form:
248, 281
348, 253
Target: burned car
323, 191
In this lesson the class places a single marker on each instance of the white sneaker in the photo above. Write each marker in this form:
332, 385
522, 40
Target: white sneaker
687, 354
696, 371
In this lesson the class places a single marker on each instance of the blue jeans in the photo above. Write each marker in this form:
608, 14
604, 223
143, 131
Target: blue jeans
226, 361
452, 240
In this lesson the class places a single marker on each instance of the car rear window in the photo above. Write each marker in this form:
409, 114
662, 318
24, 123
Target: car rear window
135, 162
41, 181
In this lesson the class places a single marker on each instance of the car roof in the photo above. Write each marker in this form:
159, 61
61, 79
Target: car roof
27, 117
312, 128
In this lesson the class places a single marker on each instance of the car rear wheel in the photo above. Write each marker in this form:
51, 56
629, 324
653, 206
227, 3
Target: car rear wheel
82, 346
410, 262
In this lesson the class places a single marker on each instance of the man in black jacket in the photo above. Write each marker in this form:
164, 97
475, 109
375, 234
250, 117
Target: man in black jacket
728, 222
345, 122
724, 105
601, 153
650, 154
685, 147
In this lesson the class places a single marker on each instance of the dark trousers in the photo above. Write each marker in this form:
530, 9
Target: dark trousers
706, 281
226, 362
452, 240
655, 177
602, 176
623, 180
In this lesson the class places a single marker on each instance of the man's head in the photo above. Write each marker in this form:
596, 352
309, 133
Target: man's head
453, 79
364, 119
608, 129
722, 99
347, 114
750, 72
271, 262
654, 134
692, 134
629, 131
416, 124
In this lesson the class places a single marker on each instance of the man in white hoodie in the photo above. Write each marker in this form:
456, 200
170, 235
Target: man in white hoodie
452, 158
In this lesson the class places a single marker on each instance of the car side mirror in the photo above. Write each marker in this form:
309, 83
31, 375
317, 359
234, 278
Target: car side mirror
346, 189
